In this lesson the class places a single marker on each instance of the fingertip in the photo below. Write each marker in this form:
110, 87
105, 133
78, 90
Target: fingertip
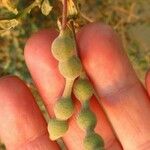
105, 29
42, 39
102, 54
96, 32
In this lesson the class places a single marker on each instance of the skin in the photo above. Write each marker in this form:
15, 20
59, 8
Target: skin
123, 116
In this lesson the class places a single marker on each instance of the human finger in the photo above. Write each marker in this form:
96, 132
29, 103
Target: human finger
121, 94
22, 125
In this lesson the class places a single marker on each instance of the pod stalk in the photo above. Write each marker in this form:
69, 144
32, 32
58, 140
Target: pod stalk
68, 88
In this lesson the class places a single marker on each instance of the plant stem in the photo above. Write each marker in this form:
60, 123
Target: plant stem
64, 14
68, 88
73, 30
62, 144
74, 35
85, 17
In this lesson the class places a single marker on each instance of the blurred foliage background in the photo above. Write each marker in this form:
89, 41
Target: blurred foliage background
130, 18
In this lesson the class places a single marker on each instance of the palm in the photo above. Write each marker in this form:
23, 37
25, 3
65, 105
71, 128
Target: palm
123, 98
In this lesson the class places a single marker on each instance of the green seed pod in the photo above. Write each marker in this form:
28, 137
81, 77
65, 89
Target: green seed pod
93, 142
86, 120
64, 108
71, 68
63, 47
83, 90
57, 128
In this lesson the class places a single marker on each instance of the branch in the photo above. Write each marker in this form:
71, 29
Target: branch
64, 14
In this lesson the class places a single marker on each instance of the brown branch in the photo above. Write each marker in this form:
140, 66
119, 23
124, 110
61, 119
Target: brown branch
64, 14
74, 34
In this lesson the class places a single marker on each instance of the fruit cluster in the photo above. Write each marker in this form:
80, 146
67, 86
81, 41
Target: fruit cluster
86, 118
64, 50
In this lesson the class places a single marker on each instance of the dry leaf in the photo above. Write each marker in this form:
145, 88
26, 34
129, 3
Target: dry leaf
46, 7
7, 24
8, 4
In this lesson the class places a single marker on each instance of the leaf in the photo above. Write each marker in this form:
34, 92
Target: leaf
46, 7
27, 10
72, 9
7, 24
8, 4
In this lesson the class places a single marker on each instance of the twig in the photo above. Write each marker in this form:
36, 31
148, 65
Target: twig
64, 14
74, 34
68, 88
85, 17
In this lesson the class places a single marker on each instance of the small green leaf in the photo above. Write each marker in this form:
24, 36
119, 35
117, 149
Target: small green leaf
8, 4
46, 7
7, 24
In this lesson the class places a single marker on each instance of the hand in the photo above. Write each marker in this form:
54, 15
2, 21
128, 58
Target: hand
122, 96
